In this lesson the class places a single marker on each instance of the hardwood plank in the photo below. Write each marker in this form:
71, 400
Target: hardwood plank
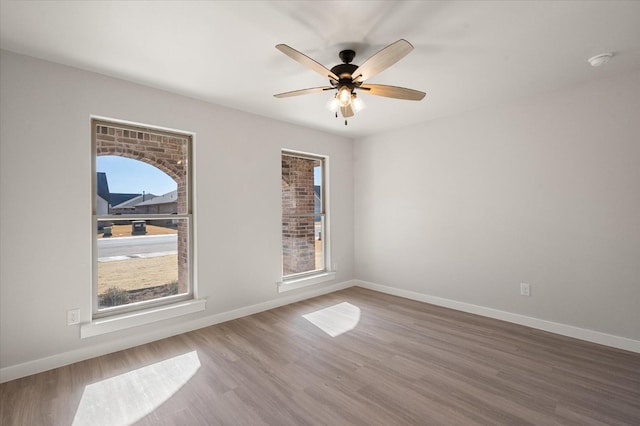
405, 362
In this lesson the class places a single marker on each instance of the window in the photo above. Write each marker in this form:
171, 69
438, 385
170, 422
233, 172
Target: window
304, 216
142, 218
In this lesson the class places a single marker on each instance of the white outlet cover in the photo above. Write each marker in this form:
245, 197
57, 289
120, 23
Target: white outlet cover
73, 317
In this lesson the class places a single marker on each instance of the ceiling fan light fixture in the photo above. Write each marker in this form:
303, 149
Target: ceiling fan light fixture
356, 103
343, 96
333, 104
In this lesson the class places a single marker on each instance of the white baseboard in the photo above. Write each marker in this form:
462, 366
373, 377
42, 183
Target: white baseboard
553, 327
59, 360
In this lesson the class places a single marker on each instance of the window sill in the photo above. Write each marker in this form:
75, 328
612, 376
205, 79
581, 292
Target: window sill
305, 282
134, 319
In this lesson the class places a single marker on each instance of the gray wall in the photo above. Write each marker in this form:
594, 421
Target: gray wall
545, 191
45, 167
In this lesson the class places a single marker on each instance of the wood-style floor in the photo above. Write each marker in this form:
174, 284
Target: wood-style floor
391, 361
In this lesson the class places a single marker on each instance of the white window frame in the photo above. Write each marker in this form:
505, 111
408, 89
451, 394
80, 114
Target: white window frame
120, 317
304, 279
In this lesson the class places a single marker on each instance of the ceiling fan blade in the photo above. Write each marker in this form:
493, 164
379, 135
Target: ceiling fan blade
347, 111
382, 60
303, 92
392, 92
306, 61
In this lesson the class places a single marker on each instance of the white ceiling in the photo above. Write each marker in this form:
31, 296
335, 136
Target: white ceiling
467, 55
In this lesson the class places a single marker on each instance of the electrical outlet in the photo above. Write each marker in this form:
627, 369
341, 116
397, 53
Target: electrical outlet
335, 266
525, 289
73, 317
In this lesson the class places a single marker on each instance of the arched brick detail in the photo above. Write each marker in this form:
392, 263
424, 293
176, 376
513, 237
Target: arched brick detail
168, 153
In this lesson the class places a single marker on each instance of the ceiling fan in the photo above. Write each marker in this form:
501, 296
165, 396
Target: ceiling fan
347, 78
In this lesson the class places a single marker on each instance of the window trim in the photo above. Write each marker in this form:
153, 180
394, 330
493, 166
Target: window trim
294, 284
149, 308
304, 279
127, 320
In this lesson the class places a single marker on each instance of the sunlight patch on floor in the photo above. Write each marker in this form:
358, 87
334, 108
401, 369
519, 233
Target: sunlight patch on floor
335, 320
125, 399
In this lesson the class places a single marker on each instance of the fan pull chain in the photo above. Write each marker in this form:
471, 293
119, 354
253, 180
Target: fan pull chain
345, 120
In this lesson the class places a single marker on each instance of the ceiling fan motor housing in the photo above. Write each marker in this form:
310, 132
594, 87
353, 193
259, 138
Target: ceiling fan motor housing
345, 71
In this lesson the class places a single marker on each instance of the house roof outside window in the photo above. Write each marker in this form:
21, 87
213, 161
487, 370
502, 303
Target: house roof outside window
169, 197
